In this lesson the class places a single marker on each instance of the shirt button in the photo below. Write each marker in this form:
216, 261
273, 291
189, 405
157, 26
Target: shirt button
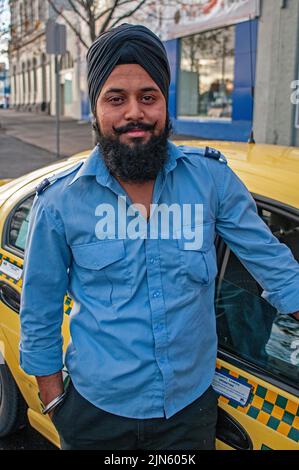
156, 294
152, 260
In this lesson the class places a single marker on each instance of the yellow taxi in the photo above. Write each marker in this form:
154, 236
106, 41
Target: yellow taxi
257, 374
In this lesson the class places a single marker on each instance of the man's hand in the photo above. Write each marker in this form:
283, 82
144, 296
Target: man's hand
296, 315
50, 387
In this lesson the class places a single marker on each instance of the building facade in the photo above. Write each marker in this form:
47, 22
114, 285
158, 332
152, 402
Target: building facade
234, 68
33, 70
212, 48
234, 64
276, 107
4, 86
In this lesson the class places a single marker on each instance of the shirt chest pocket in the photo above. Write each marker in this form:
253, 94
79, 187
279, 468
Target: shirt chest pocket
198, 257
103, 271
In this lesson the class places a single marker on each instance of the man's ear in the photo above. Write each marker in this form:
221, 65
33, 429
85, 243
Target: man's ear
94, 124
96, 132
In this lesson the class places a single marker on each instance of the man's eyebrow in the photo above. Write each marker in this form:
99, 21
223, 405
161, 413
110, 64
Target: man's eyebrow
122, 90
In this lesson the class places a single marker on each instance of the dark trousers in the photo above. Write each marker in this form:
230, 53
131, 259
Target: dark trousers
82, 425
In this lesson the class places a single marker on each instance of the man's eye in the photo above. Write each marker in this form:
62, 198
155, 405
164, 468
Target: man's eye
148, 98
115, 100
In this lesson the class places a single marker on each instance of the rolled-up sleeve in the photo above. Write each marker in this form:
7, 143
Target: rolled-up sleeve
45, 282
270, 262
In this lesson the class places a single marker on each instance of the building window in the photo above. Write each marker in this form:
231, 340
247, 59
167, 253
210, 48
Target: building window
23, 80
41, 10
68, 93
34, 79
206, 77
22, 18
29, 79
66, 61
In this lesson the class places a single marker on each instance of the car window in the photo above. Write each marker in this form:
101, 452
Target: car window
249, 327
18, 224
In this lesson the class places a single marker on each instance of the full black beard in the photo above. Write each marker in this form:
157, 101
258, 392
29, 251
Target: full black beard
137, 163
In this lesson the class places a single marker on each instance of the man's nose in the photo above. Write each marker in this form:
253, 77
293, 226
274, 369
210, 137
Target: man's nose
134, 111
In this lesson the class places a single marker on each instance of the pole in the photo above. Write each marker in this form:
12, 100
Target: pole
57, 106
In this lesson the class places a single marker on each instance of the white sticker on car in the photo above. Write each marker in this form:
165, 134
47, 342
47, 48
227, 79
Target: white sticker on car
11, 270
231, 388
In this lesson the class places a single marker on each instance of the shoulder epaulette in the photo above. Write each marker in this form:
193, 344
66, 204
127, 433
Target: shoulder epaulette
208, 152
45, 183
215, 154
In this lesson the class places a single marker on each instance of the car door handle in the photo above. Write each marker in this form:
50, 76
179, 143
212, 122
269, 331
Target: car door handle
231, 432
10, 297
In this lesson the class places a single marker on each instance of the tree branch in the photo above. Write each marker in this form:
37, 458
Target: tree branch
68, 22
127, 15
103, 13
77, 11
107, 20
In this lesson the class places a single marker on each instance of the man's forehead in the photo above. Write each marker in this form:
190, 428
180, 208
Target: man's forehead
129, 76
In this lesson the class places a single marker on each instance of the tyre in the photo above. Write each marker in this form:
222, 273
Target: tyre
13, 408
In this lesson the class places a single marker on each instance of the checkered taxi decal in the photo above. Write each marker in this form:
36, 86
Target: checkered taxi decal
15, 263
68, 302
267, 407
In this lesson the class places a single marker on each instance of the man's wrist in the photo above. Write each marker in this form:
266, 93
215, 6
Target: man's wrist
295, 315
50, 387
53, 404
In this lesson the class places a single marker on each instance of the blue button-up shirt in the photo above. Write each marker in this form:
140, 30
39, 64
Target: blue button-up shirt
143, 334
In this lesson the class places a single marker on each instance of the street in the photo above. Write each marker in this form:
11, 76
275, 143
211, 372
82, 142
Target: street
26, 439
28, 141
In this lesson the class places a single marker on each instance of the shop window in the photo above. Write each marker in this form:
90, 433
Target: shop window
207, 74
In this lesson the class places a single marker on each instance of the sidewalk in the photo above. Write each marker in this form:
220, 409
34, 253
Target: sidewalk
28, 140
40, 130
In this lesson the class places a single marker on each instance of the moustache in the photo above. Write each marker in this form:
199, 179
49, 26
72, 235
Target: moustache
129, 127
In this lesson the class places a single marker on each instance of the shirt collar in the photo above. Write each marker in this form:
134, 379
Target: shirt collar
95, 165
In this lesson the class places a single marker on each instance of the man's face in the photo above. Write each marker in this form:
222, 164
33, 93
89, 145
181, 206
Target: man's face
133, 125
131, 106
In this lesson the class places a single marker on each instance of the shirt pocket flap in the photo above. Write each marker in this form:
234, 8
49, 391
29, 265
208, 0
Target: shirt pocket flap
98, 255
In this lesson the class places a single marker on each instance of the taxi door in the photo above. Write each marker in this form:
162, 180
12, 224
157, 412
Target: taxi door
257, 374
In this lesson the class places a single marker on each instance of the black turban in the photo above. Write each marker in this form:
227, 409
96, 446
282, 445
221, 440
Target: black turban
126, 44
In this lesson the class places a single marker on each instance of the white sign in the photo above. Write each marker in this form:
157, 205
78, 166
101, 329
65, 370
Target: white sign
11, 270
231, 388
201, 15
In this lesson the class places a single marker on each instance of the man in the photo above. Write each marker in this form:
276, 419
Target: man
143, 339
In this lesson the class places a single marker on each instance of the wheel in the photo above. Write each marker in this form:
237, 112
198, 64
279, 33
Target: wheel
13, 408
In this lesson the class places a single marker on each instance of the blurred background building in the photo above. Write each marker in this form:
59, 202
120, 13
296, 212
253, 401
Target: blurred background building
4, 86
232, 61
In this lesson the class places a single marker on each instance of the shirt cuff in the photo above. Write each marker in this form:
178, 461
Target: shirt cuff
39, 363
285, 300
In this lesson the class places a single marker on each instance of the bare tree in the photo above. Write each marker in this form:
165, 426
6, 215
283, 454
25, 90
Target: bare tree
99, 15
4, 27
94, 16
